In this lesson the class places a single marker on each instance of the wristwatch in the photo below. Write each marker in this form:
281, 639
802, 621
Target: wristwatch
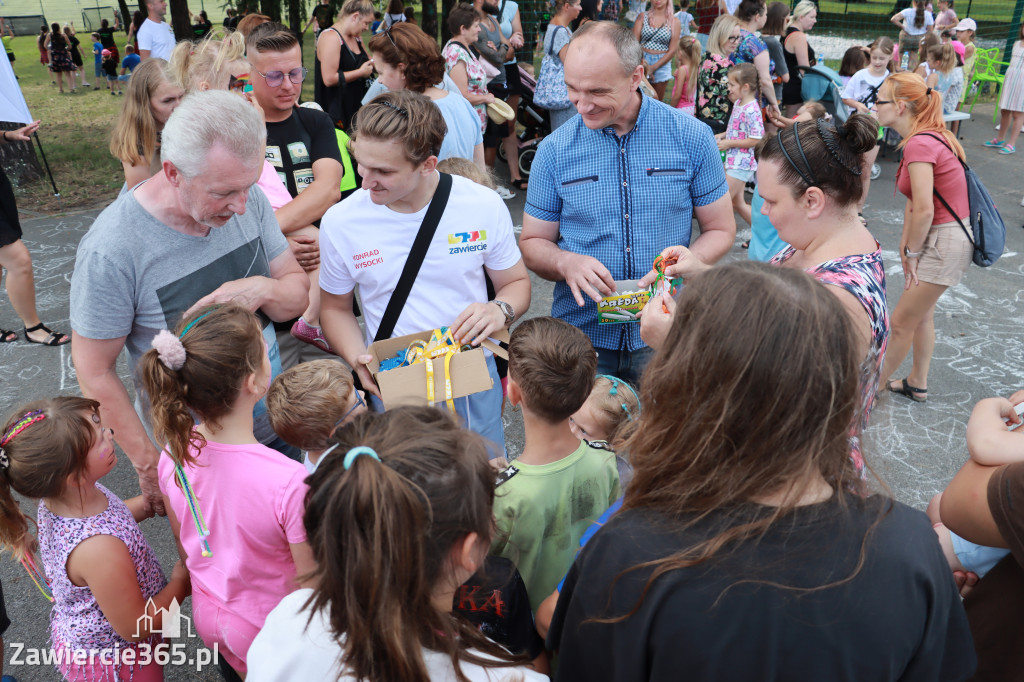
507, 310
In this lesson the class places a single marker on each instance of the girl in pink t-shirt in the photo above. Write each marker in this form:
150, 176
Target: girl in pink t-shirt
684, 92
745, 130
235, 506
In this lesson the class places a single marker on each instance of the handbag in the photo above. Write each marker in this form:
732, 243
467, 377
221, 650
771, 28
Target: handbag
986, 224
415, 260
551, 92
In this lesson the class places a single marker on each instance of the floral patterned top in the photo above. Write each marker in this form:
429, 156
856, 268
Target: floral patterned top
750, 46
744, 123
77, 621
713, 88
454, 53
863, 275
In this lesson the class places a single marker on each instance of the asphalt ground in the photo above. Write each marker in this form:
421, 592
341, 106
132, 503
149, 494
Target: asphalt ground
914, 448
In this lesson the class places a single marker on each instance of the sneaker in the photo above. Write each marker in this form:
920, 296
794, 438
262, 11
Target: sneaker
85, 85
505, 193
314, 336
113, 94
1007, 149
995, 143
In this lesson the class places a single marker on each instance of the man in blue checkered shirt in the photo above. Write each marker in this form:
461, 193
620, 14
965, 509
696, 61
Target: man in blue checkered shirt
615, 185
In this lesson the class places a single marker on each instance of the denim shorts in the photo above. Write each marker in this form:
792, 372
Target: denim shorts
663, 74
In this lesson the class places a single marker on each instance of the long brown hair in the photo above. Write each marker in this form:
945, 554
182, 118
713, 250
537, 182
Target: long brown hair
40, 459
925, 107
382, 533
406, 43
223, 345
744, 401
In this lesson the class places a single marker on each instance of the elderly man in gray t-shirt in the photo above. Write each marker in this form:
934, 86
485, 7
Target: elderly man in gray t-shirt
198, 232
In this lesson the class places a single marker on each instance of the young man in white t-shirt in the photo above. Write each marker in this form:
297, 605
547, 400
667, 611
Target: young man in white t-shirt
156, 39
365, 241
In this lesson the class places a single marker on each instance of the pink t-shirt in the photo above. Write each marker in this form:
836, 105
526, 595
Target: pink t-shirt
950, 180
252, 498
270, 183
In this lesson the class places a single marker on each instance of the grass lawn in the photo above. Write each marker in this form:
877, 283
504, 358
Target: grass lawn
75, 133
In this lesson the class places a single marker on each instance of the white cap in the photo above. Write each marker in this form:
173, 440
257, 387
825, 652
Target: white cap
967, 25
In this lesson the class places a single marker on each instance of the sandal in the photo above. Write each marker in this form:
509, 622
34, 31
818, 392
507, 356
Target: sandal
909, 391
54, 338
520, 184
8, 336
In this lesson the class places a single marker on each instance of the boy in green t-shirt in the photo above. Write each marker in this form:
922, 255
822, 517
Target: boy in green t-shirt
551, 494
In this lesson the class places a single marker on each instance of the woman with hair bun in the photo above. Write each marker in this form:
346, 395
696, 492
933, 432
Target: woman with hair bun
741, 551
935, 250
811, 178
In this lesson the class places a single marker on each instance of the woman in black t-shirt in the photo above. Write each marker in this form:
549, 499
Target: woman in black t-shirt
106, 34
740, 552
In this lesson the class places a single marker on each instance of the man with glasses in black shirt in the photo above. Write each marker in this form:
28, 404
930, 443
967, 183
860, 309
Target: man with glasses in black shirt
301, 145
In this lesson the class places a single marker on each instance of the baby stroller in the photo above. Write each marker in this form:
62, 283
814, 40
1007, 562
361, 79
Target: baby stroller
535, 121
824, 85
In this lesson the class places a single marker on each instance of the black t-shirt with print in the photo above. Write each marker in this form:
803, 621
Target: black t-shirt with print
296, 143
106, 37
495, 600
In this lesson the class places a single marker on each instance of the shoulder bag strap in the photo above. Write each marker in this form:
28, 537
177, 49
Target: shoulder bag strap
415, 260
949, 208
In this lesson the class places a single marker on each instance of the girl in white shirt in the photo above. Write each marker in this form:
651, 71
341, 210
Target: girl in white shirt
398, 516
861, 93
914, 22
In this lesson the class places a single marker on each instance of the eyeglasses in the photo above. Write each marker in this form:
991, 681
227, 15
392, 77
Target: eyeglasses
732, 38
359, 403
275, 78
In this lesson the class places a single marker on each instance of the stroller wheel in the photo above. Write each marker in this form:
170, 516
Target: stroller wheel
501, 152
876, 171
526, 160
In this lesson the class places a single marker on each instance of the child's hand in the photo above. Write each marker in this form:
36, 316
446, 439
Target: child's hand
656, 320
989, 440
723, 144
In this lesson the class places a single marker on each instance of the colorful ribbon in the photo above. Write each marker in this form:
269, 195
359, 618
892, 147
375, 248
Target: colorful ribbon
197, 513
38, 577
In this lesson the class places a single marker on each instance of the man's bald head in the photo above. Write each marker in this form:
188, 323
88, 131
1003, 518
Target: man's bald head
617, 36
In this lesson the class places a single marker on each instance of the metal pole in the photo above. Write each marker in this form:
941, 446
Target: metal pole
47, 164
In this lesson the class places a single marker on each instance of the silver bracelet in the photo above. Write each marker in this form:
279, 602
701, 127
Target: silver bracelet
911, 254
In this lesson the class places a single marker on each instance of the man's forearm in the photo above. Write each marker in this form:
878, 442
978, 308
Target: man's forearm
542, 257
288, 297
119, 414
517, 295
342, 331
710, 246
308, 207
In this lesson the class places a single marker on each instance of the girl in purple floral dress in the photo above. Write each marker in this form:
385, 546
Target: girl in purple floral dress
108, 591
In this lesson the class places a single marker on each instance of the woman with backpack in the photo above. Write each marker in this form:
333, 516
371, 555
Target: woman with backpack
934, 250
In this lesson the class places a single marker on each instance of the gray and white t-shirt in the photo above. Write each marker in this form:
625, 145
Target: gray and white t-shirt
135, 276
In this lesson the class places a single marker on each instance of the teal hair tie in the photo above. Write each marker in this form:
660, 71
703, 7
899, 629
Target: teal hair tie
192, 324
351, 455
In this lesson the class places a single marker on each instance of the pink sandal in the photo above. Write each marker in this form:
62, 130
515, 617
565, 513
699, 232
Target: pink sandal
314, 336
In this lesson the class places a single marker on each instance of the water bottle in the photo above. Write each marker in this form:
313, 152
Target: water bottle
905, 62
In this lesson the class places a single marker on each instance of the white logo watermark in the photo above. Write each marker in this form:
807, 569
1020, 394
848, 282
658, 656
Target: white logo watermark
173, 624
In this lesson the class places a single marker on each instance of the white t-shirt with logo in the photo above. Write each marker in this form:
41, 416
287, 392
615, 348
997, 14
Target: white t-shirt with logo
364, 244
862, 83
158, 38
909, 14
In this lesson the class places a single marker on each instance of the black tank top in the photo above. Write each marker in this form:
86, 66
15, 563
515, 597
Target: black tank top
341, 101
791, 90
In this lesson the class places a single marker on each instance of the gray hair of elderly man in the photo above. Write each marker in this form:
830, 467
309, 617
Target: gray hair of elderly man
212, 118
620, 37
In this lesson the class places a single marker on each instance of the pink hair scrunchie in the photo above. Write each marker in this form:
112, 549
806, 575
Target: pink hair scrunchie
170, 349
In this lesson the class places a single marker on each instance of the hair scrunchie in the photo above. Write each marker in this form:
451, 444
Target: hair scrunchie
169, 349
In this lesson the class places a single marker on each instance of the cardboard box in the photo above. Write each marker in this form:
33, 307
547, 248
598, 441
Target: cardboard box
408, 385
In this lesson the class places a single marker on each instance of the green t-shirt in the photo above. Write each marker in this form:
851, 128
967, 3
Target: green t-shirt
7, 44
543, 510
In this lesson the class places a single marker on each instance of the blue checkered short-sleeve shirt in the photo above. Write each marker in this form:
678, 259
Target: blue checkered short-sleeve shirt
623, 199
